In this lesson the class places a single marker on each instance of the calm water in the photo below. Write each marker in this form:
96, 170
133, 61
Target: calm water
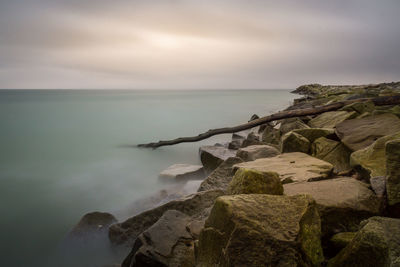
62, 154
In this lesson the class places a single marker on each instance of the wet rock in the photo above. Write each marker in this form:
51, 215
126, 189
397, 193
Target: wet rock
292, 167
371, 161
331, 119
313, 134
93, 222
376, 244
333, 152
183, 172
248, 181
257, 151
195, 205
261, 230
165, 243
357, 134
212, 156
393, 173
220, 177
294, 142
342, 202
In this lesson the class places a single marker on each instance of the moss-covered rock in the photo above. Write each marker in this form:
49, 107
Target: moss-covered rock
357, 134
333, 152
247, 181
371, 161
360, 107
294, 142
288, 125
313, 134
261, 230
270, 135
376, 244
330, 119
292, 167
393, 172
341, 240
342, 202
256, 152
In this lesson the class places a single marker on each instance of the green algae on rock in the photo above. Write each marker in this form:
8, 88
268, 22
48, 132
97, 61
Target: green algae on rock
314, 133
294, 142
333, 152
261, 230
247, 181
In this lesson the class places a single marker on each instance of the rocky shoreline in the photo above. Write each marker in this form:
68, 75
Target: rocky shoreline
318, 190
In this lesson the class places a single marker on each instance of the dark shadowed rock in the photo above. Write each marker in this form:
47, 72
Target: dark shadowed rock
376, 244
393, 175
357, 134
333, 152
212, 156
342, 202
261, 230
183, 172
93, 222
194, 205
288, 125
220, 177
270, 135
313, 134
256, 152
294, 142
292, 167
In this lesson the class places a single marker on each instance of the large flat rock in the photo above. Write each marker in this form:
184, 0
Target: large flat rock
357, 134
261, 230
292, 167
183, 172
342, 202
330, 119
256, 152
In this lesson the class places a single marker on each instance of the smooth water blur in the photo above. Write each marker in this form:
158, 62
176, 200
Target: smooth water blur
63, 153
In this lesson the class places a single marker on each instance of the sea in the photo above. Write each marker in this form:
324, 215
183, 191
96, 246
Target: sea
64, 153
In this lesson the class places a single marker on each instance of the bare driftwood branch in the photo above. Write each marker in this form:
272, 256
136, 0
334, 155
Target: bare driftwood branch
378, 101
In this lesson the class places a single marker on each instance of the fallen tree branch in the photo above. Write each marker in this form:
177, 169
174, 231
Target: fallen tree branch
378, 101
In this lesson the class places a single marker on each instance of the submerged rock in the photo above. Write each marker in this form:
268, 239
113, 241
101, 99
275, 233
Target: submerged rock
333, 152
371, 161
257, 151
342, 203
165, 243
93, 222
357, 134
292, 167
183, 172
331, 119
220, 177
212, 156
393, 173
294, 142
376, 244
195, 205
248, 181
261, 230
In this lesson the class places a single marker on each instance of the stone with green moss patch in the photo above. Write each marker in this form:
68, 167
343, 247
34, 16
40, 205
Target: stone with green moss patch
331, 119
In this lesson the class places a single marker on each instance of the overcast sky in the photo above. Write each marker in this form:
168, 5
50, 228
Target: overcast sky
193, 44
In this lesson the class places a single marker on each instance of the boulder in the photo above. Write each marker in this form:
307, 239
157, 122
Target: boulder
288, 125
212, 156
261, 230
166, 243
270, 135
93, 222
248, 181
251, 140
292, 167
333, 152
357, 134
371, 161
360, 107
393, 172
342, 202
341, 240
313, 134
196, 205
294, 142
183, 172
220, 177
377, 243
331, 119
378, 185
257, 151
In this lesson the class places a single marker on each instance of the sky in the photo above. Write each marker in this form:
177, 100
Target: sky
194, 44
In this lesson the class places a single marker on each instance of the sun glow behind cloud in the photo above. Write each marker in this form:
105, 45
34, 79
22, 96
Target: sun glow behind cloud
188, 44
